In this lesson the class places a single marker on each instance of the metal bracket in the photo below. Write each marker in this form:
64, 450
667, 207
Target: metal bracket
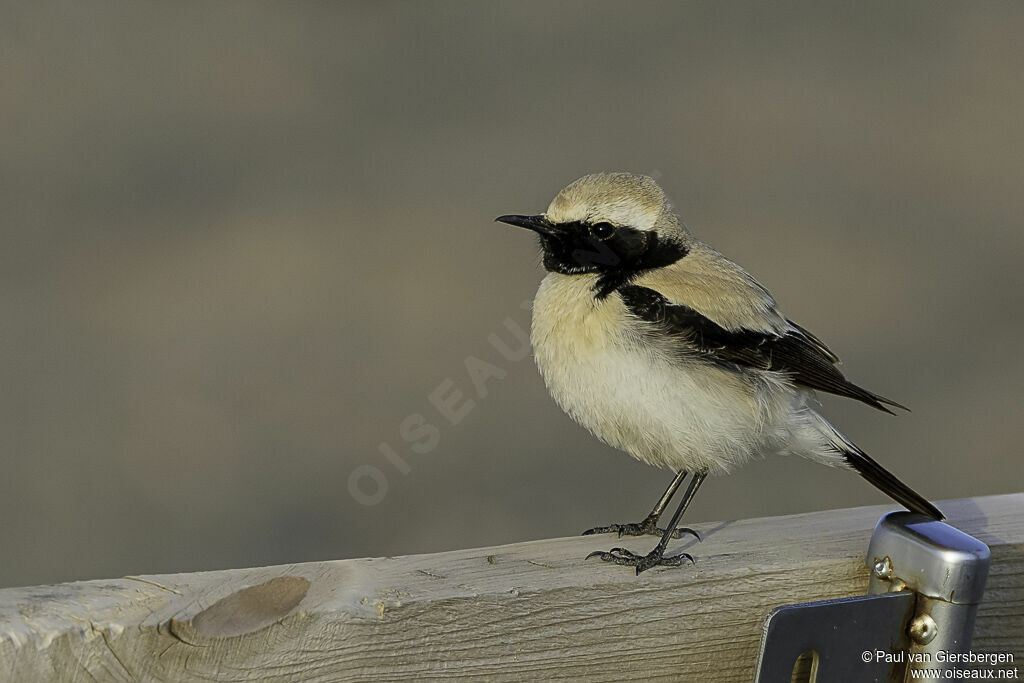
927, 580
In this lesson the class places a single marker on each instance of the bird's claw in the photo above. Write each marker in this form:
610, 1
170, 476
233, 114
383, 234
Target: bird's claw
645, 528
655, 558
631, 529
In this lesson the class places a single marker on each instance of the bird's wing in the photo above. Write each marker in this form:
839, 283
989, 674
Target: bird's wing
718, 289
792, 351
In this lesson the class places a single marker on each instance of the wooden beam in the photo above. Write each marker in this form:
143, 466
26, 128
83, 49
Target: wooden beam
526, 611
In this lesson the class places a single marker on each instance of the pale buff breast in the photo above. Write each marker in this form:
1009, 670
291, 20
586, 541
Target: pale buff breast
632, 397
569, 322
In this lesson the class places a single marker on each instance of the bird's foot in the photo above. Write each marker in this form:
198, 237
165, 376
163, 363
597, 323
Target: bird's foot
655, 558
648, 527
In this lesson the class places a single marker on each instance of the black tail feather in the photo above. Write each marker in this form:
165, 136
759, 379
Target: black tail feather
887, 483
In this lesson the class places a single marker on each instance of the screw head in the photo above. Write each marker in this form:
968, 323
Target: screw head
923, 629
883, 568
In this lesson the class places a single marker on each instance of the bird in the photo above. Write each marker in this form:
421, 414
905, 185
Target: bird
665, 349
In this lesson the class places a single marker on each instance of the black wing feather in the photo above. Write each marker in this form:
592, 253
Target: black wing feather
799, 354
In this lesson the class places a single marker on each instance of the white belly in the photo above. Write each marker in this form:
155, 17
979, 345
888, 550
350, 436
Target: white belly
667, 413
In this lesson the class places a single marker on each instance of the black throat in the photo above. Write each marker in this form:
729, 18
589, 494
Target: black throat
616, 260
658, 254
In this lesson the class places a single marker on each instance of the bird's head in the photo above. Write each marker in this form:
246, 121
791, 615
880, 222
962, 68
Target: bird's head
615, 225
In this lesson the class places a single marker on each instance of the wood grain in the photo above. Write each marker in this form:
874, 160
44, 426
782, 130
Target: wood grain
526, 611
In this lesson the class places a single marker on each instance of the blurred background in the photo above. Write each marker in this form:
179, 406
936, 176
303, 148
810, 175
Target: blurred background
245, 244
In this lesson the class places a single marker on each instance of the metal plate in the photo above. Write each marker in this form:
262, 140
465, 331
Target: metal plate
840, 632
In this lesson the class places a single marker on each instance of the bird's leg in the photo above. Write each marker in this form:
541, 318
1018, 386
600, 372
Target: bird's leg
656, 558
649, 526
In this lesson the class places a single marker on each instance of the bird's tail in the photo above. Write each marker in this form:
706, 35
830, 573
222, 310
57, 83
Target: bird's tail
886, 482
850, 455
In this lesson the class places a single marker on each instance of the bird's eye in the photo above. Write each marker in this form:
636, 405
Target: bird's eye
603, 231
